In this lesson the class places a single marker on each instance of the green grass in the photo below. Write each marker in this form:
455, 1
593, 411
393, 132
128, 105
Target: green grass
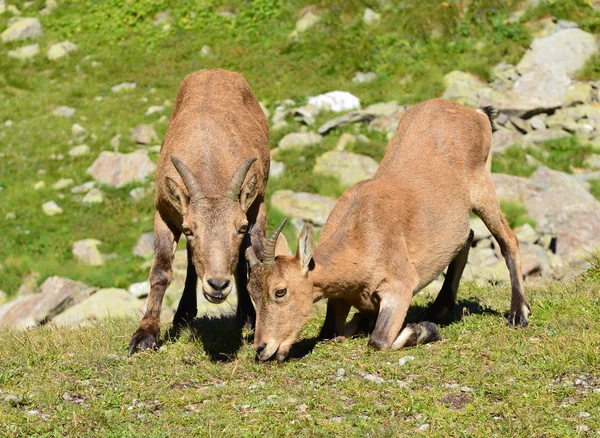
518, 382
516, 214
513, 162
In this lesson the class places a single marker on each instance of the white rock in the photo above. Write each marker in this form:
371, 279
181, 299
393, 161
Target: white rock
140, 290
86, 252
361, 77
125, 86
84, 188
336, 101
298, 140
276, 170
64, 111
78, 131
60, 50
25, 52
50, 208
79, 151
94, 196
405, 359
205, 50
39, 185
62, 183
370, 17
22, 29
154, 109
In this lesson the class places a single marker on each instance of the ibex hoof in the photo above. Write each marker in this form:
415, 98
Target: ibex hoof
518, 318
143, 339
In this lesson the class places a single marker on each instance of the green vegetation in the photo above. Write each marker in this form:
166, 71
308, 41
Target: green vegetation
513, 161
483, 379
516, 214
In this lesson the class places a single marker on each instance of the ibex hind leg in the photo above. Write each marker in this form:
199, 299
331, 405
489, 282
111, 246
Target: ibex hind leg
487, 208
188, 305
446, 299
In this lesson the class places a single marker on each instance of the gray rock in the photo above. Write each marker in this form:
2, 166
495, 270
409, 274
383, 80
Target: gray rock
276, 170
64, 111
94, 196
125, 86
84, 188
154, 109
139, 193
305, 114
113, 303
307, 21
404, 360
345, 140
479, 229
367, 115
538, 122
306, 206
145, 246
54, 296
299, 140
22, 29
593, 162
39, 185
347, 167
558, 199
547, 69
504, 138
62, 183
140, 290
526, 234
144, 134
78, 131
87, 253
50, 6
79, 151
373, 378
536, 137
387, 124
25, 52
371, 18
50, 208
60, 50
116, 170
580, 92
520, 125
361, 78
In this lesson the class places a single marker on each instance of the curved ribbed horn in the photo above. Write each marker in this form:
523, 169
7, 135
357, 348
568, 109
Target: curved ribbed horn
269, 254
191, 183
237, 180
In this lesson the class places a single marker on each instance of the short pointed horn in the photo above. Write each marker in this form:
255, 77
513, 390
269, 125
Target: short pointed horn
269, 255
237, 180
189, 179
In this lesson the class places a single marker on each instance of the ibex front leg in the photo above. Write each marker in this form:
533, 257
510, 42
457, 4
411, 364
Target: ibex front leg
165, 242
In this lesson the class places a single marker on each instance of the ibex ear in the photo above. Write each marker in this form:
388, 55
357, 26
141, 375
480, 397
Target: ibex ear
282, 247
306, 244
179, 199
248, 193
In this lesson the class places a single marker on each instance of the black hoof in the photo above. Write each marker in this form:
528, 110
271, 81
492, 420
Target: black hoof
144, 340
517, 320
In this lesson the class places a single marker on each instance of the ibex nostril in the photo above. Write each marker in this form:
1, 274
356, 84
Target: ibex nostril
218, 284
260, 348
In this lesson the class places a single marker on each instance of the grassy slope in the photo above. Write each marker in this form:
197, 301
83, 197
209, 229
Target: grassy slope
523, 382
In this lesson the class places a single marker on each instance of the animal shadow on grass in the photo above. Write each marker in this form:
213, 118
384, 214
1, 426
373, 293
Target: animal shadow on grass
221, 336
462, 308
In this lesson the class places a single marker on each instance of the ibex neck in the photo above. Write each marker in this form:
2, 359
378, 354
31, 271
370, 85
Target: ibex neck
330, 276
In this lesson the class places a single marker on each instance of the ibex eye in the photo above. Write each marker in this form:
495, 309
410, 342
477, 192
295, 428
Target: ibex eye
187, 232
243, 229
280, 293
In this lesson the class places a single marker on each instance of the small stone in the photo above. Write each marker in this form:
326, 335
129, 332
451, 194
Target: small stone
345, 140
94, 196
205, 50
13, 400
154, 109
374, 379
64, 111
84, 188
423, 427
140, 290
370, 17
125, 86
9, 123
62, 183
361, 77
340, 373
25, 52
584, 415
79, 151
22, 29
466, 389
299, 140
78, 131
50, 208
307, 21
405, 359
144, 134
145, 246
50, 6
39, 185
115, 142
10, 216
60, 50
86, 252
139, 193
276, 170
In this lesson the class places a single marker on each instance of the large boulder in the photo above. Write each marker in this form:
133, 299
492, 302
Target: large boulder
54, 296
104, 303
22, 29
306, 206
116, 169
299, 140
548, 67
558, 201
347, 167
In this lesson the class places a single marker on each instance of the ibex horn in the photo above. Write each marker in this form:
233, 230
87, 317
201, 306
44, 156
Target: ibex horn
269, 254
191, 183
237, 180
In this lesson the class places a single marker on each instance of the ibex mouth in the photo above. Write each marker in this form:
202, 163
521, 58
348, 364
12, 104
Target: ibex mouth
214, 299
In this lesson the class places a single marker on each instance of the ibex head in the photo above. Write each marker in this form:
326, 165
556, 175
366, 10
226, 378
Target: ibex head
282, 292
214, 226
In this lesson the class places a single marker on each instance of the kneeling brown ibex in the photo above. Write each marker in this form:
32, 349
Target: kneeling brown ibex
210, 185
390, 236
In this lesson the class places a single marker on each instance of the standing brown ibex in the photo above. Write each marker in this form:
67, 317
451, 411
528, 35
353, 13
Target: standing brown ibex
390, 236
210, 185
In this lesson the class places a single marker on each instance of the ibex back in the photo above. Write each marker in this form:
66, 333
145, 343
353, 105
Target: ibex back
210, 185
390, 236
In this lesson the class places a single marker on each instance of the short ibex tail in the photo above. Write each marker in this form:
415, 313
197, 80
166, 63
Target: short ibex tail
415, 334
491, 113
